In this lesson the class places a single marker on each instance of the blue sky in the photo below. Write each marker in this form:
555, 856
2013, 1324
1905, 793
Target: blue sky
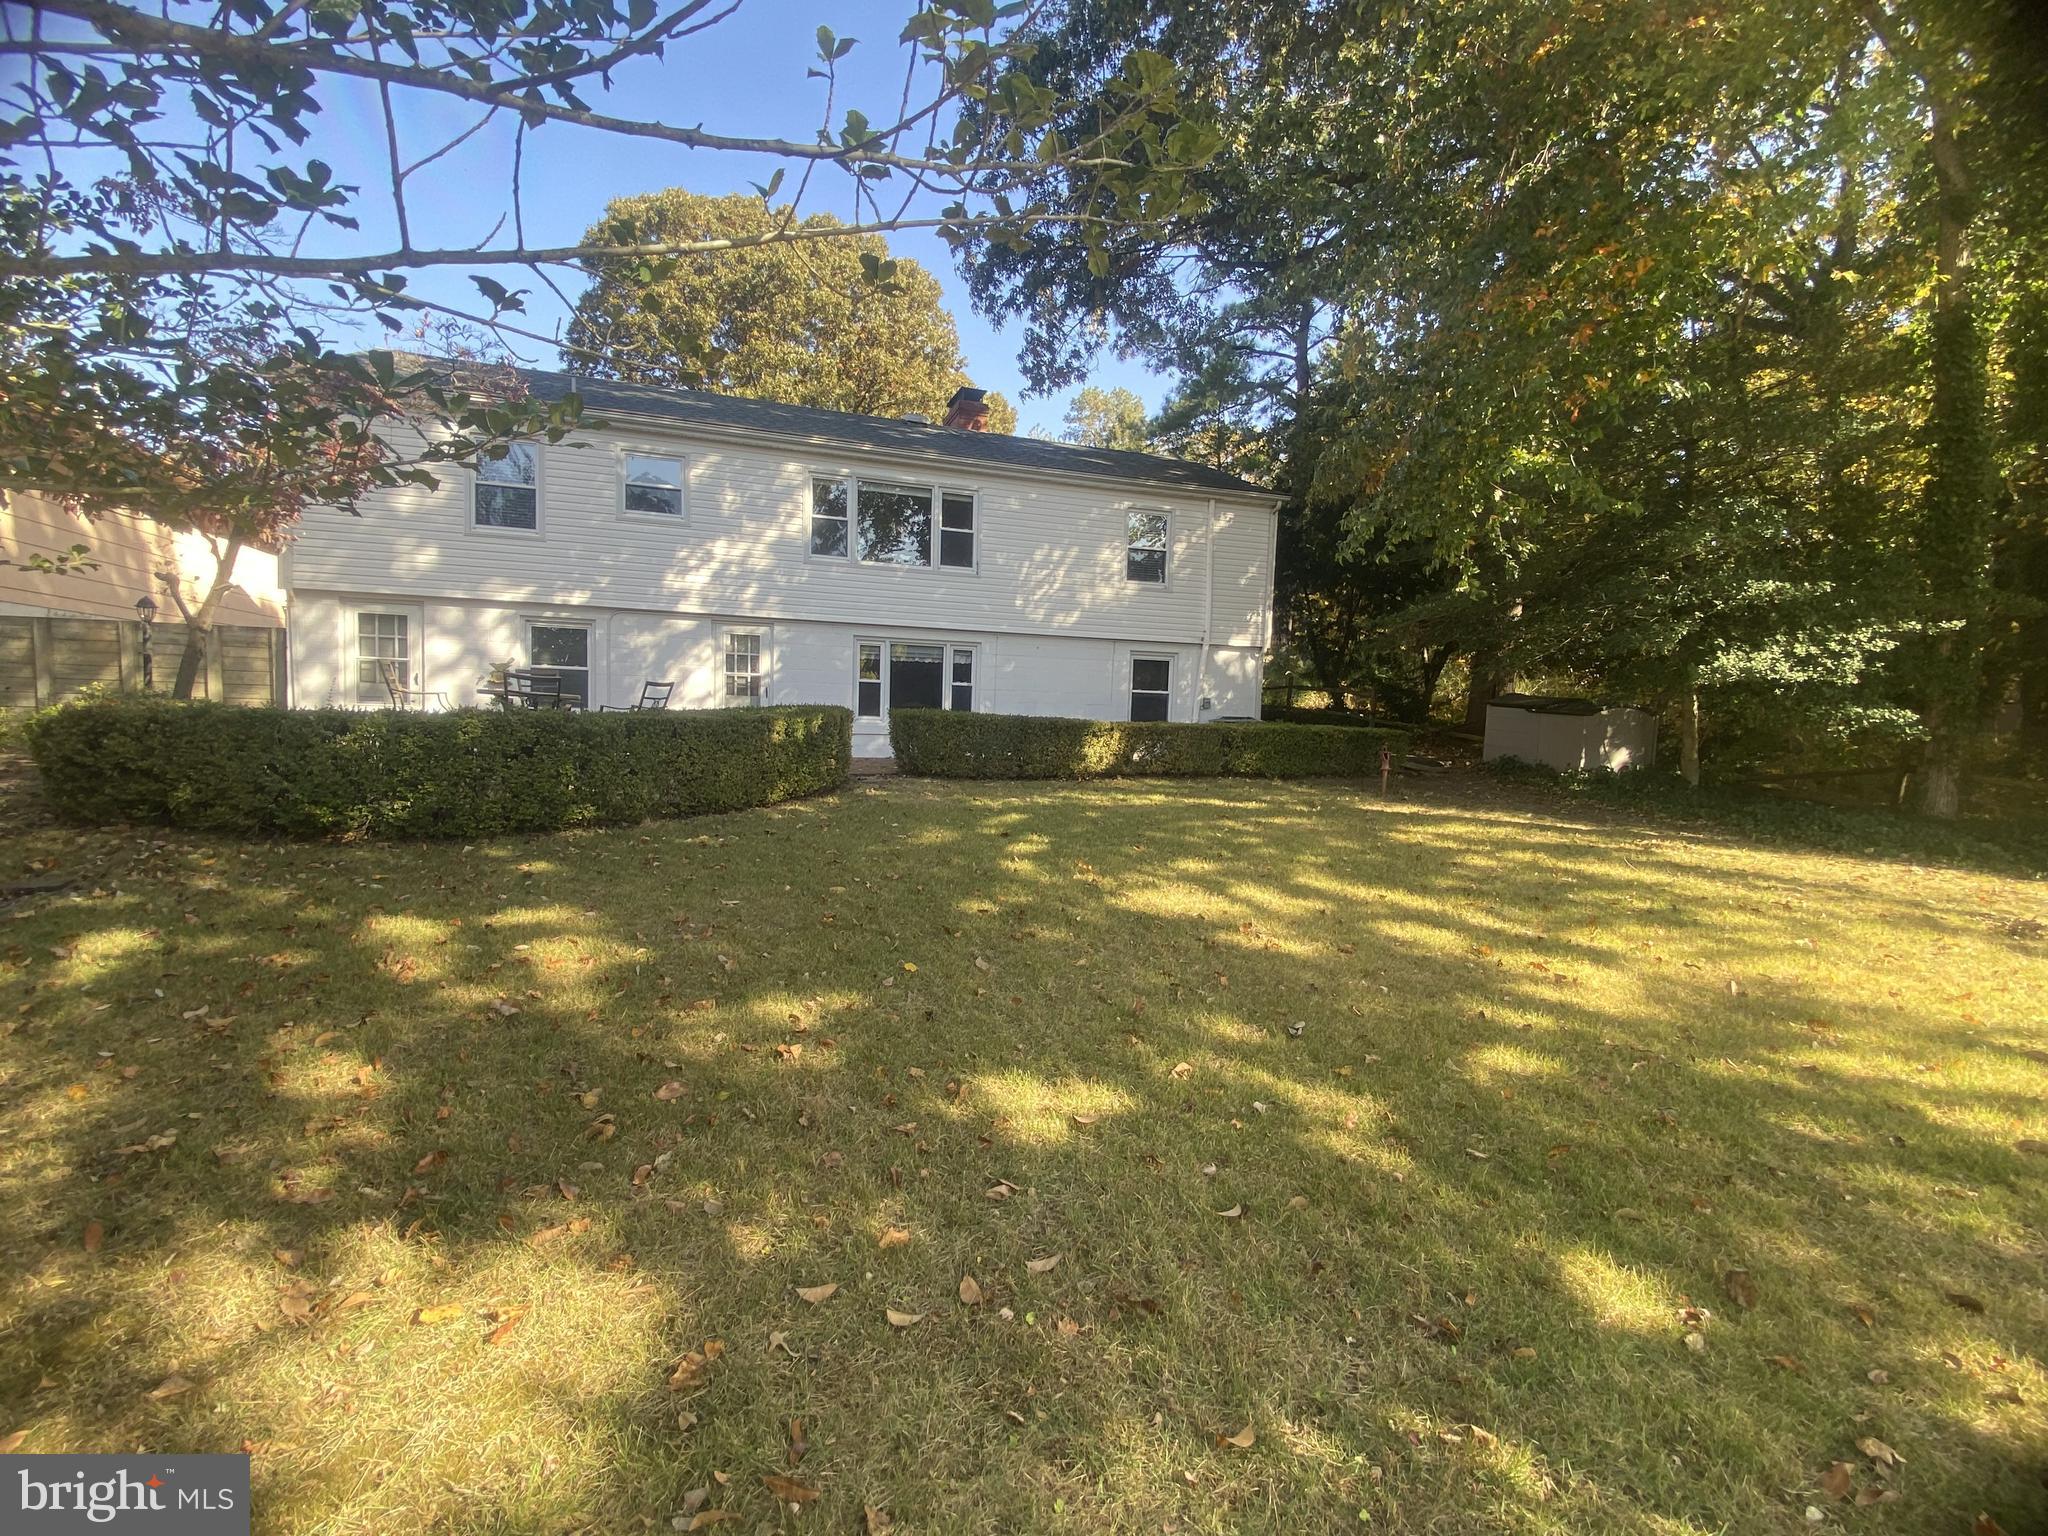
745, 76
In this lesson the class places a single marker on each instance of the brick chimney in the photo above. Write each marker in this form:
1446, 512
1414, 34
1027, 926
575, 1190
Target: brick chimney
968, 410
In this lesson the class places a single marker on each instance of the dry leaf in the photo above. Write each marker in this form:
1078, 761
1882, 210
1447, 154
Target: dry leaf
902, 1319
170, 1386
892, 1237
428, 1316
704, 1519
1984, 1525
561, 1229
1042, 1266
290, 1258
1837, 1480
970, 1292
1242, 1439
13, 1442
1740, 1287
817, 1293
1182, 1069
668, 1091
877, 1520
1879, 1452
95, 1234
1085, 1120
788, 1489
1235, 1213
798, 1445
433, 1159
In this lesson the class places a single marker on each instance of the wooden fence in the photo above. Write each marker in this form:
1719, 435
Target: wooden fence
46, 661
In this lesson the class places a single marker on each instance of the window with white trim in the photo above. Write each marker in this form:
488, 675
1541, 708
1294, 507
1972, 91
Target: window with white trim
893, 523
962, 687
828, 517
381, 638
956, 530
867, 684
1151, 687
654, 485
507, 489
742, 667
885, 522
1145, 552
562, 650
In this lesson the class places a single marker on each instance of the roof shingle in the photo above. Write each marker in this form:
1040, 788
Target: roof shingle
1030, 455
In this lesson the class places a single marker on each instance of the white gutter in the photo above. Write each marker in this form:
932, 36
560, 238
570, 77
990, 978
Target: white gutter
1208, 608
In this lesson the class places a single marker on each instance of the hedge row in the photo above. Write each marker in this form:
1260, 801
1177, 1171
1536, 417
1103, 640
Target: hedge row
1351, 719
952, 744
468, 773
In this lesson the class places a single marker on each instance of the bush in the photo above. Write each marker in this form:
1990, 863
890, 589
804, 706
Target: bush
468, 773
1295, 715
951, 744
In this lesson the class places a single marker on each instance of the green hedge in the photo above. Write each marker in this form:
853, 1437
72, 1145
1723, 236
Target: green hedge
468, 773
951, 744
1350, 719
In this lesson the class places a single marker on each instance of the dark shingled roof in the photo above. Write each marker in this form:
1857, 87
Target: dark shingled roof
1029, 455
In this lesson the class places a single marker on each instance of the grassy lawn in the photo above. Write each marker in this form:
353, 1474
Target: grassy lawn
1485, 1164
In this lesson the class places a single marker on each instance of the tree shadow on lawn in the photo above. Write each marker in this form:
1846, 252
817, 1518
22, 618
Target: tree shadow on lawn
1525, 1125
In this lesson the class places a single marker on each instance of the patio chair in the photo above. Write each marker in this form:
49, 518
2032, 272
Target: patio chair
533, 690
652, 696
403, 697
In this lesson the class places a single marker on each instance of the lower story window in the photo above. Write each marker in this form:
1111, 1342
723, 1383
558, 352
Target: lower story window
742, 668
562, 650
963, 678
382, 640
911, 674
868, 681
1151, 687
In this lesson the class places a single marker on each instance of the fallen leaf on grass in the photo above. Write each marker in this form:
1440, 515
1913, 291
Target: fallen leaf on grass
893, 1237
788, 1489
798, 1445
170, 1386
1836, 1481
547, 1235
902, 1319
703, 1520
877, 1520
290, 1258
1042, 1266
427, 1316
1086, 1120
689, 1371
668, 1091
1242, 1439
508, 1320
970, 1292
1235, 1213
95, 1234
1864, 1316
1740, 1287
1182, 1069
817, 1293
433, 1159
1879, 1452
13, 1442
1984, 1525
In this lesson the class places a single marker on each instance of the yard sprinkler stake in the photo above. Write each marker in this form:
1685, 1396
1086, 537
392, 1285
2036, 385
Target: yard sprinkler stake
1386, 770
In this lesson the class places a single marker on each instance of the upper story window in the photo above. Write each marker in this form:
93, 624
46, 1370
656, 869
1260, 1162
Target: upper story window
654, 485
508, 489
1145, 556
884, 522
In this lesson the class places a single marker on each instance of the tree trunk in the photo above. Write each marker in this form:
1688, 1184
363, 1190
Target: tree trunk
1941, 775
199, 621
1689, 737
1479, 693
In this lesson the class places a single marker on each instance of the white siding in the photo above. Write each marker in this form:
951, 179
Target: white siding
1050, 550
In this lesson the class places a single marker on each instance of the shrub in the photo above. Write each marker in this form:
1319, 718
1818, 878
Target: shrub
953, 744
1295, 715
468, 773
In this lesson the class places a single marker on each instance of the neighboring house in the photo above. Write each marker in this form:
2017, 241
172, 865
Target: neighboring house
70, 623
751, 552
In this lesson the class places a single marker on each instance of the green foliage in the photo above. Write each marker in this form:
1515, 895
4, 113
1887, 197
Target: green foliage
1108, 418
957, 744
468, 773
834, 323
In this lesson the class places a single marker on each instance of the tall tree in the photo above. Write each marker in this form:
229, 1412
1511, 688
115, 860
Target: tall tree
1108, 418
832, 323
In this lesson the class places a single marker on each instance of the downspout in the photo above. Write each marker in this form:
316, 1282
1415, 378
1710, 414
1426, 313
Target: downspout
1208, 609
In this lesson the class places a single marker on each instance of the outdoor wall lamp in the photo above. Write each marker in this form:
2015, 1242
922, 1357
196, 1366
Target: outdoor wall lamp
145, 610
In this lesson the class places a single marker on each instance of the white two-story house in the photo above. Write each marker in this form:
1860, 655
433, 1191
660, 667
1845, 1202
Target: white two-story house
750, 552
